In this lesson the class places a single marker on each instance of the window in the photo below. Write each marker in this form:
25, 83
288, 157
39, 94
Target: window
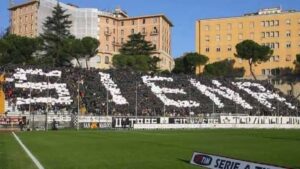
267, 23
218, 27
155, 30
218, 38
229, 37
276, 34
276, 22
144, 21
229, 48
240, 36
206, 27
107, 20
106, 60
276, 58
288, 33
271, 34
276, 45
144, 31
107, 48
132, 22
122, 23
263, 23
229, 26
288, 22
122, 32
272, 23
263, 34
241, 25
252, 35
288, 45
132, 31
207, 49
263, 71
288, 58
122, 40
107, 29
114, 30
207, 38
272, 45
218, 49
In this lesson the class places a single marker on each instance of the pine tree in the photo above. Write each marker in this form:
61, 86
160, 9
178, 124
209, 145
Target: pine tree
137, 45
56, 31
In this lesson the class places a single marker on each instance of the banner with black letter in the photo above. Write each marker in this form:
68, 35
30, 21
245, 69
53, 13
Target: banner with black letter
219, 162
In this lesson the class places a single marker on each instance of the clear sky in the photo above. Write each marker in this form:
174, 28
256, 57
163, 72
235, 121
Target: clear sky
183, 13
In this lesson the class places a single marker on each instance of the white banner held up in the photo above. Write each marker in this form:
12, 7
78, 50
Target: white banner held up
219, 162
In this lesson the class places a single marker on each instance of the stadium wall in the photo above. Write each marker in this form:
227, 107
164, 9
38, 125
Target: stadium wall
215, 126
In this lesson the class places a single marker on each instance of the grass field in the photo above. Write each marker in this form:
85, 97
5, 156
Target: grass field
147, 149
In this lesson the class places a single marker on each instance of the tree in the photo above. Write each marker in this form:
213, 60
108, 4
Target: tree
18, 50
56, 30
134, 62
135, 54
179, 66
137, 45
189, 62
253, 52
90, 46
224, 68
73, 49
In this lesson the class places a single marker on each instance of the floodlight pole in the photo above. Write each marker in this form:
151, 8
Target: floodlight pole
106, 102
136, 95
78, 106
47, 109
190, 103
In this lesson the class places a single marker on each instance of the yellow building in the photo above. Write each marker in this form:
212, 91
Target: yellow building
217, 38
110, 28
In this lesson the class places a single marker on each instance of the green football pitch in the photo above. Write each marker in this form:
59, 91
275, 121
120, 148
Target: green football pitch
146, 149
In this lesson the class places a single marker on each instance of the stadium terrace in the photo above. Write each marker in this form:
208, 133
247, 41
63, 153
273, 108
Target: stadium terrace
125, 93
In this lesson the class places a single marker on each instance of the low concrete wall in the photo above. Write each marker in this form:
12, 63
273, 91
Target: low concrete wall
216, 126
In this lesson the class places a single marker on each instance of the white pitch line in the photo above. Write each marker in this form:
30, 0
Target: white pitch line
35, 160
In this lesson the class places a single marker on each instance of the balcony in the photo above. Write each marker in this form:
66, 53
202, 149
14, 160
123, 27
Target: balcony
144, 33
116, 43
107, 33
154, 33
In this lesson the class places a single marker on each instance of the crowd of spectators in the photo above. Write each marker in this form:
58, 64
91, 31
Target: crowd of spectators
125, 93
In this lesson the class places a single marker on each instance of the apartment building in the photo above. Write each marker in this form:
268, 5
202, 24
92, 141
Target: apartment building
274, 27
111, 28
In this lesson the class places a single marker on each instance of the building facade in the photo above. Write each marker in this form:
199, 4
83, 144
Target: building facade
278, 29
110, 28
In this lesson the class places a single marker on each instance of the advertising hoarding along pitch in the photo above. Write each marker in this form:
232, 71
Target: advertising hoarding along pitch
220, 162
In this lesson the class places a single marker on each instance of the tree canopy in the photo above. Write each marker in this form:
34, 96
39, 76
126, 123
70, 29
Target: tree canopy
137, 45
253, 53
224, 68
136, 54
56, 31
187, 64
18, 50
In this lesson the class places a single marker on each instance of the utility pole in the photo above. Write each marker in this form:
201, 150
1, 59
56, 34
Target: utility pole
47, 109
136, 95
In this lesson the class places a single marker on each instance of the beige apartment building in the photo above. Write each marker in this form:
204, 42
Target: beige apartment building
111, 28
115, 29
217, 38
